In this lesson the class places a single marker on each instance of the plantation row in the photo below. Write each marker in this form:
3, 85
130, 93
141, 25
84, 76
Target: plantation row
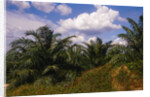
47, 59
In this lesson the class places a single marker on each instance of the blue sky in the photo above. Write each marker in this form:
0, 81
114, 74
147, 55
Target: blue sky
85, 21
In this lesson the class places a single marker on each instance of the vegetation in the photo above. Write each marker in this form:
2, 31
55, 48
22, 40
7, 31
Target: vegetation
56, 65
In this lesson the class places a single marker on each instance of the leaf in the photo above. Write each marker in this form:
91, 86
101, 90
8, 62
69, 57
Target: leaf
50, 68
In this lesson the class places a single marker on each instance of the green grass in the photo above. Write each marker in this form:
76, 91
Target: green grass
100, 79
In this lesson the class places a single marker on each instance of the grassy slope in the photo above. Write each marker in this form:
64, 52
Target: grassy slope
99, 79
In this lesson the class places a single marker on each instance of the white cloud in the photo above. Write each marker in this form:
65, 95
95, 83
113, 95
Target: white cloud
92, 39
119, 41
102, 20
17, 23
44, 6
79, 38
122, 19
63, 9
21, 4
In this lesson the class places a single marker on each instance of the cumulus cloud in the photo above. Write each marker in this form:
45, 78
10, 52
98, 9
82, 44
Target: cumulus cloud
17, 23
119, 41
63, 9
21, 4
44, 6
102, 20
79, 38
122, 19
92, 39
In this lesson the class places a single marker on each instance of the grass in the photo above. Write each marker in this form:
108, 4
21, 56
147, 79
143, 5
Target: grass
100, 79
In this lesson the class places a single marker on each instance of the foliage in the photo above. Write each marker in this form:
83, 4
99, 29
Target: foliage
134, 37
43, 59
131, 52
30, 59
98, 79
45, 55
96, 52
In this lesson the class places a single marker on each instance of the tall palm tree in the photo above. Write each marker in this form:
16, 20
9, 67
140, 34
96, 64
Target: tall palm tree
96, 52
29, 59
134, 36
133, 51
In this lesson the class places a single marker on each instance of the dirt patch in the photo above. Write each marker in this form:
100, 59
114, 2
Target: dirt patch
124, 79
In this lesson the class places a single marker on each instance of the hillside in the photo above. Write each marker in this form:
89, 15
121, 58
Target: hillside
100, 79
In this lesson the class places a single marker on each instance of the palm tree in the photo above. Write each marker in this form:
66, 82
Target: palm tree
96, 52
37, 56
133, 51
119, 54
134, 36
75, 58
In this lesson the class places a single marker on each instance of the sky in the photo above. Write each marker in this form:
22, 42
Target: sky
87, 22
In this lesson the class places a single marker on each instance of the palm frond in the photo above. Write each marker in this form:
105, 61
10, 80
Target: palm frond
134, 25
51, 68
